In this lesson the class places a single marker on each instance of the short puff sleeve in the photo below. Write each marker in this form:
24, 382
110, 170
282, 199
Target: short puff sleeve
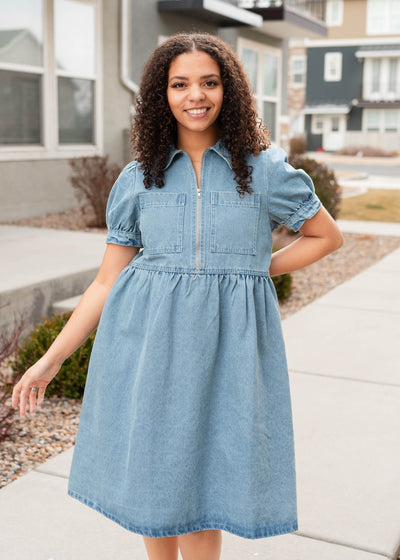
122, 213
291, 193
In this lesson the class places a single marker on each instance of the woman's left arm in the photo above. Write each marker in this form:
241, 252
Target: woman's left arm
321, 236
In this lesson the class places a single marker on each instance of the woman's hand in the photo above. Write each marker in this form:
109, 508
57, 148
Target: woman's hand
39, 375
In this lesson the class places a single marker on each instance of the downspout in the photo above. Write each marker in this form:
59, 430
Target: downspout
127, 82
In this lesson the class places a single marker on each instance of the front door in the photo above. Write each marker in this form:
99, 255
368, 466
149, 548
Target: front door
334, 131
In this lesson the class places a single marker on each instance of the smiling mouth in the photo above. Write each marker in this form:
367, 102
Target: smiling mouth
200, 111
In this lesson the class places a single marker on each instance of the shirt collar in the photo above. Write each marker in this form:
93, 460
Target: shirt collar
219, 148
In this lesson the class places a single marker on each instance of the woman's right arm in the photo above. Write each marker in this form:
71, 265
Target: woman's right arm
80, 325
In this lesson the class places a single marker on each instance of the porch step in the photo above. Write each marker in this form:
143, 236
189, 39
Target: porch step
44, 266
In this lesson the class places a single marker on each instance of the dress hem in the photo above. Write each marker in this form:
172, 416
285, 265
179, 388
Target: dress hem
257, 533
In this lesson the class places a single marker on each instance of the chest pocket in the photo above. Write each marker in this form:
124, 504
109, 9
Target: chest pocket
234, 222
161, 221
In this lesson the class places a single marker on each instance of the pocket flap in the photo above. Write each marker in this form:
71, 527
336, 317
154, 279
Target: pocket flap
152, 199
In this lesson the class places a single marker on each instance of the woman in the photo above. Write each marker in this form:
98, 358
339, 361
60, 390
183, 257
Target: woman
186, 425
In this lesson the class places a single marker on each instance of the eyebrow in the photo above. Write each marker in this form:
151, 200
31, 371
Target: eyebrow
201, 77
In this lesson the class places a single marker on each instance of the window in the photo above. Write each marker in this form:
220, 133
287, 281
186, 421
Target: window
382, 120
21, 73
376, 75
334, 12
393, 76
262, 64
335, 124
383, 16
372, 118
381, 79
391, 120
317, 124
48, 82
75, 70
333, 67
299, 70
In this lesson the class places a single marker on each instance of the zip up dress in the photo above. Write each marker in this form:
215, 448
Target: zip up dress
186, 419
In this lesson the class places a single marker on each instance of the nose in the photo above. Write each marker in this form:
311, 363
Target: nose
196, 93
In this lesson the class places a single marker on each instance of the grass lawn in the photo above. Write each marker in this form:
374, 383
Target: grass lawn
378, 205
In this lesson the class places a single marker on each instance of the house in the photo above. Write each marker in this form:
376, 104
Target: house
353, 77
69, 71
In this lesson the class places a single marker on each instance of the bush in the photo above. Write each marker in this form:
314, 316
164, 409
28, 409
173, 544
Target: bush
282, 283
8, 346
283, 286
326, 186
70, 380
297, 145
93, 180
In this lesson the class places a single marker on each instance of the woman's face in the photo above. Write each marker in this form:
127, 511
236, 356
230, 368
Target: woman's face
195, 92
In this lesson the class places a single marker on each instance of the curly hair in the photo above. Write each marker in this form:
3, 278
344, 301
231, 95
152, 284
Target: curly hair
239, 127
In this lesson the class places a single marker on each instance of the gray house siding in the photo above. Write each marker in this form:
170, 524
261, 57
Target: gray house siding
354, 121
314, 141
341, 92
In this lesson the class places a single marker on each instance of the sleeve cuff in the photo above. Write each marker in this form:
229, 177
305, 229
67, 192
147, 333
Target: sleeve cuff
121, 237
306, 210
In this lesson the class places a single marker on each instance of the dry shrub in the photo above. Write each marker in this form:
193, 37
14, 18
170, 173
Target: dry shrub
8, 347
298, 145
367, 151
93, 178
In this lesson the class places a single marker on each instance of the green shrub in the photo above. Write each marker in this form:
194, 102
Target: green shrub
70, 380
326, 186
283, 286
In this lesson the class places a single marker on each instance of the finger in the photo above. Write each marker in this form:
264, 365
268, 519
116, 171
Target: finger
15, 395
23, 397
40, 396
32, 400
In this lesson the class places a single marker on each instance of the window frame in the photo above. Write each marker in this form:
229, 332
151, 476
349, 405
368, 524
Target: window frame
330, 21
337, 57
384, 91
317, 118
260, 97
382, 126
50, 147
294, 59
386, 29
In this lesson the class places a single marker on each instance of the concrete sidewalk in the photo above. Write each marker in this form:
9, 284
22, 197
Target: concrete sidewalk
344, 360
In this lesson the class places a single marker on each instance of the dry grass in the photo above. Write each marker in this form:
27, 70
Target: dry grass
378, 205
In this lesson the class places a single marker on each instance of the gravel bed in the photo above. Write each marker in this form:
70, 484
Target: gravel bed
52, 428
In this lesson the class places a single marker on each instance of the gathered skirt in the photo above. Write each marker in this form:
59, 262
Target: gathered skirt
186, 419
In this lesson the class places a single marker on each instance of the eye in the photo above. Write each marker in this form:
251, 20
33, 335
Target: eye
211, 83
178, 85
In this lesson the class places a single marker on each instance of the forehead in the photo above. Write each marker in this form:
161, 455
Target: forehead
193, 63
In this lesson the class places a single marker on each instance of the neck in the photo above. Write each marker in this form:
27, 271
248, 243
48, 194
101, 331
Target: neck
195, 143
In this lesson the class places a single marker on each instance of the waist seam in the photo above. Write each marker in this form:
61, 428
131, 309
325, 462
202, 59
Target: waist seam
201, 272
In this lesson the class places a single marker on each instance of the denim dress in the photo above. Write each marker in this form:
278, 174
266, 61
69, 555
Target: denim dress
186, 420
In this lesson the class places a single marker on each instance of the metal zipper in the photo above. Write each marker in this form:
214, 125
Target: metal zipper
198, 230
